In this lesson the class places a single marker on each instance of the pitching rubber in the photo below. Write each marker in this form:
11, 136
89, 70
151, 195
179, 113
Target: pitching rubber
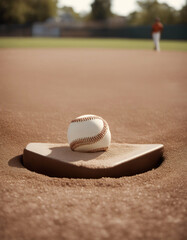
57, 160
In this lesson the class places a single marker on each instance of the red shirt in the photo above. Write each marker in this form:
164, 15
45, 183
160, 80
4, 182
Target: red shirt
157, 27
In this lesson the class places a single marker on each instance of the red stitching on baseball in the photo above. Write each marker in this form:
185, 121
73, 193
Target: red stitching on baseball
89, 140
98, 149
86, 119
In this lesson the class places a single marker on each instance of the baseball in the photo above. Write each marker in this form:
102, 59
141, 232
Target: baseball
89, 133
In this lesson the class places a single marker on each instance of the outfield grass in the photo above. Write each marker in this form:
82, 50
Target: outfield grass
89, 43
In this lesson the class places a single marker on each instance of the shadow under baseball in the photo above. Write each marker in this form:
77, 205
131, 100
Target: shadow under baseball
67, 155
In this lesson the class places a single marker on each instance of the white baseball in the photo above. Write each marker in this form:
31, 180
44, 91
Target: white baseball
89, 133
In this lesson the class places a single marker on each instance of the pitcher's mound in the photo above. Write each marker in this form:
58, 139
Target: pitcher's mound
58, 160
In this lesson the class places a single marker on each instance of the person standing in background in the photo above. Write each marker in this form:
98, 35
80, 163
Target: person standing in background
157, 28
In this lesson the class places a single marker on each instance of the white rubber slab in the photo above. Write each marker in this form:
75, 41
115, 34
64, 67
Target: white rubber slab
58, 160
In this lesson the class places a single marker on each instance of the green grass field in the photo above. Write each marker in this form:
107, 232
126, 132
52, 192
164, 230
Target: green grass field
89, 43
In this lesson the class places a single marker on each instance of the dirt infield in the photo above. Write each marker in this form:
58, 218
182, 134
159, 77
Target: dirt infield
141, 94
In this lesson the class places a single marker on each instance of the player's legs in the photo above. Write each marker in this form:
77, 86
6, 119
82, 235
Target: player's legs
158, 41
154, 39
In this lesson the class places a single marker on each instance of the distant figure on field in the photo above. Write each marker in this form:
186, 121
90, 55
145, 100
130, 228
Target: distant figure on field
157, 28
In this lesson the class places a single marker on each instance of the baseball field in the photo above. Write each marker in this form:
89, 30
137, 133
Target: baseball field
89, 43
44, 84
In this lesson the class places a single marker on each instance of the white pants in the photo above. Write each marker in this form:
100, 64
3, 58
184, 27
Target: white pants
156, 40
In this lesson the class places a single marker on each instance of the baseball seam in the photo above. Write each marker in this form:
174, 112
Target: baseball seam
98, 149
86, 119
89, 140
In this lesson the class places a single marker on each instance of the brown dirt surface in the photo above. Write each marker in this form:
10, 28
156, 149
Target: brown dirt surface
141, 94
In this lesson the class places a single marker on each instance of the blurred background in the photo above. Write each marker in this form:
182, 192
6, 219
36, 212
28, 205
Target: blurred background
92, 18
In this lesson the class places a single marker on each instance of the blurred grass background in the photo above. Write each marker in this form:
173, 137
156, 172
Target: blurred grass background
13, 42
